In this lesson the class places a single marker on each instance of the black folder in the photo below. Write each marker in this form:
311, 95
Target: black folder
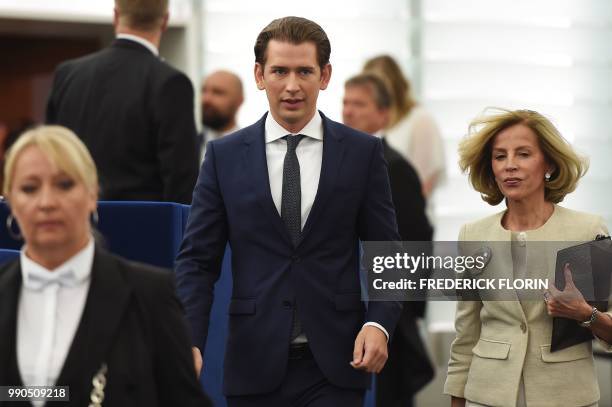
591, 265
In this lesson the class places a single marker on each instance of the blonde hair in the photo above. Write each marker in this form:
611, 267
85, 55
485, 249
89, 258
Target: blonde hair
475, 154
399, 86
62, 147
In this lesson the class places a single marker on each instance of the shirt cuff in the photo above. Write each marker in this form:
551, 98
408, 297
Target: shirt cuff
379, 326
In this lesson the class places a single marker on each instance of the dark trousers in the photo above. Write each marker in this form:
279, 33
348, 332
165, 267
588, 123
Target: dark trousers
304, 385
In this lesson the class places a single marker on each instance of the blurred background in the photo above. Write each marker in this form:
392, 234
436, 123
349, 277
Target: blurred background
552, 56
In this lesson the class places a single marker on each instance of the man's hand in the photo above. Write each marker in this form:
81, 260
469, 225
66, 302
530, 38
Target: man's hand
568, 303
370, 352
197, 360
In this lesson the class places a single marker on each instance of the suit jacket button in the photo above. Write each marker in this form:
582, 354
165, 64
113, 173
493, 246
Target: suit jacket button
287, 304
295, 259
523, 327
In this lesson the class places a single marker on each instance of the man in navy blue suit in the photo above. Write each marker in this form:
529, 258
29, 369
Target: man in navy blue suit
292, 194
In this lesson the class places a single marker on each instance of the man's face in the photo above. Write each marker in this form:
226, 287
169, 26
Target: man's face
360, 112
221, 98
292, 79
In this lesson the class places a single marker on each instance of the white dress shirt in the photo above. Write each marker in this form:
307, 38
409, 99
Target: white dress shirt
48, 315
310, 156
141, 41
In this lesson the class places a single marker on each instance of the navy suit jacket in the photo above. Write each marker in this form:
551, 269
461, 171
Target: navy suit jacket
232, 203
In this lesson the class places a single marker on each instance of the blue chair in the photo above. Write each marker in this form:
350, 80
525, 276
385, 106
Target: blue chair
150, 232
7, 255
6, 241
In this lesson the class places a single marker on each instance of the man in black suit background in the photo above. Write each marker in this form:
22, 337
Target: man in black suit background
366, 107
134, 112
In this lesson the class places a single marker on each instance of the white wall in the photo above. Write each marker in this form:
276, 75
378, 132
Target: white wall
356, 29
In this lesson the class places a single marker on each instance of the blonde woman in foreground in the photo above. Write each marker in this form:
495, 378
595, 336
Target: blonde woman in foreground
72, 314
501, 354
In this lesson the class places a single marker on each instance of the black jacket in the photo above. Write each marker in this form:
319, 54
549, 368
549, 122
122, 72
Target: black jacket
407, 195
132, 321
408, 368
135, 114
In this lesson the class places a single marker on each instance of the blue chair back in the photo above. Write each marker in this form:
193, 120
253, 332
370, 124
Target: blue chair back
7, 255
6, 241
149, 232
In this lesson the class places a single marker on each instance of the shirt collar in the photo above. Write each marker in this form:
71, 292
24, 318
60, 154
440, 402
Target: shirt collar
80, 264
379, 134
141, 41
313, 129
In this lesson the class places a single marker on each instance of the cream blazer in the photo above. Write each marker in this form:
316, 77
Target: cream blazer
498, 341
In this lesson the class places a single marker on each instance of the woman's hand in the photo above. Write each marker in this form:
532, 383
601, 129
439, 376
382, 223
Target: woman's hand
568, 303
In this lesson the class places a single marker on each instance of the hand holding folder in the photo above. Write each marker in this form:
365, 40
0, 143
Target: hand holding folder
591, 268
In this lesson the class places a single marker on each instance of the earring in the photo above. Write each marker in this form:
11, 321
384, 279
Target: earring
95, 219
547, 176
10, 219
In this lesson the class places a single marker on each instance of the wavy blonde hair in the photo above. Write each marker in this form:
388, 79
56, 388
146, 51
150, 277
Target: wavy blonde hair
475, 153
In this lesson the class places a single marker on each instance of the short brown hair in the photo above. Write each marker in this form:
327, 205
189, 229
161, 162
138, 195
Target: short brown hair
142, 14
295, 30
399, 85
382, 96
476, 149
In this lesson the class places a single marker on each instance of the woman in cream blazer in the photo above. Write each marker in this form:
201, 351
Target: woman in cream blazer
501, 354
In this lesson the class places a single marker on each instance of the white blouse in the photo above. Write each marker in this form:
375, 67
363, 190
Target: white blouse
417, 137
50, 307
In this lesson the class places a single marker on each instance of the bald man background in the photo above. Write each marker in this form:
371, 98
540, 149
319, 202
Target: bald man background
221, 96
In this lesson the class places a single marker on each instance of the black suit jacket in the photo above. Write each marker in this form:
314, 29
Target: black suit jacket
132, 321
407, 196
408, 368
135, 114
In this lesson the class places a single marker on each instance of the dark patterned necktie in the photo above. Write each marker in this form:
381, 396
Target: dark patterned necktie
291, 207
291, 201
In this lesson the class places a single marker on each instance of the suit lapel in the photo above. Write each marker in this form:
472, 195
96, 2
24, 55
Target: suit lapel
333, 153
255, 157
10, 287
106, 302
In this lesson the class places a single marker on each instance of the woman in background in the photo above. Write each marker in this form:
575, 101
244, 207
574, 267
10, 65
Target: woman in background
412, 130
72, 314
501, 354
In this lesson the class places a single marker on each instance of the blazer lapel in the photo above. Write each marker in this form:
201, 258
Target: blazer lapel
10, 287
255, 157
333, 153
106, 302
